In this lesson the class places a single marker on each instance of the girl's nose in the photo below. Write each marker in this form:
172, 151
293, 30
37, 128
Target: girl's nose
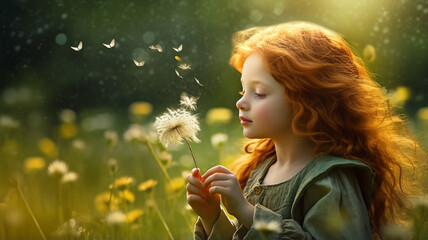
241, 104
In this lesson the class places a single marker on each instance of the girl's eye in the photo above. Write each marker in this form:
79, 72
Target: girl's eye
260, 95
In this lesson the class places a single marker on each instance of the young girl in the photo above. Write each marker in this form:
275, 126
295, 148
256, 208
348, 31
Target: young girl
326, 158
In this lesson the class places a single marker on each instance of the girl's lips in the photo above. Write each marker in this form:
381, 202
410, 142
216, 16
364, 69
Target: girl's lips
245, 121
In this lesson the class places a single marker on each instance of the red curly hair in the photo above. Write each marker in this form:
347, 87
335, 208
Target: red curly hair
335, 103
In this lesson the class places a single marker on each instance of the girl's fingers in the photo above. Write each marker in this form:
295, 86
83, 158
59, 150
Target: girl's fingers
218, 168
218, 189
216, 177
192, 189
195, 172
194, 181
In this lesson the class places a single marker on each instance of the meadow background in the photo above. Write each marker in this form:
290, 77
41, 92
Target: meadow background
93, 110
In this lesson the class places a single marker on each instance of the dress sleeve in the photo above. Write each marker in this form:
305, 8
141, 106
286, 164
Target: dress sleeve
333, 208
223, 228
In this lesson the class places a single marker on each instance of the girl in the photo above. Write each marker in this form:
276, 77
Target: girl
326, 157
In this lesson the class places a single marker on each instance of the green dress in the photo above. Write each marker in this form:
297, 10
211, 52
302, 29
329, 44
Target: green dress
327, 199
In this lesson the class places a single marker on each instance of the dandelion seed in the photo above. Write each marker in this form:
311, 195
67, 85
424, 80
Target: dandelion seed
69, 177
266, 229
32, 164
178, 74
133, 216
111, 44
158, 47
219, 139
139, 63
147, 185
78, 48
179, 48
197, 81
178, 58
218, 115
116, 218
122, 183
184, 66
175, 125
188, 102
57, 169
70, 229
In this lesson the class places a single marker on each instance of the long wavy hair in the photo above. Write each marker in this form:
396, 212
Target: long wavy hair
336, 104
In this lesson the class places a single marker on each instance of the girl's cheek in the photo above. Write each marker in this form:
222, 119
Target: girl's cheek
264, 114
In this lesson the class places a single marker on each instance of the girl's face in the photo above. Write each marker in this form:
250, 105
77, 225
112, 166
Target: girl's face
263, 109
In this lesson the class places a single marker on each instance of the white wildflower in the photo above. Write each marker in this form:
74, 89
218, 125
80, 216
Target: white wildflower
69, 177
136, 133
188, 102
57, 169
78, 144
116, 218
67, 116
110, 137
175, 125
219, 139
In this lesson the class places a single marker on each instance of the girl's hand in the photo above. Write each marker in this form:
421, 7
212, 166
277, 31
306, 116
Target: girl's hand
206, 205
220, 180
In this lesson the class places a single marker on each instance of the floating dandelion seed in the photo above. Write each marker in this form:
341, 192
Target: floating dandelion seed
111, 44
178, 58
78, 48
176, 125
139, 64
188, 102
184, 66
197, 81
179, 48
158, 47
178, 74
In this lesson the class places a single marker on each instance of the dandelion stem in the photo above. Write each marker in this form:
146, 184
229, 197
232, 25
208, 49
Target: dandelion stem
163, 220
158, 160
191, 152
31, 212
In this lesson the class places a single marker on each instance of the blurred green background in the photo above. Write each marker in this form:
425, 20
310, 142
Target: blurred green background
42, 76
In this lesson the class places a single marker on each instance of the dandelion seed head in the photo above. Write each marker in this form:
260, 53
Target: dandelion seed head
147, 185
111, 138
112, 165
188, 102
57, 169
69, 177
175, 125
116, 218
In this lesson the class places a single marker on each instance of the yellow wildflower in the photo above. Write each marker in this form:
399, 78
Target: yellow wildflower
48, 147
141, 108
67, 130
102, 201
423, 113
127, 196
176, 184
147, 185
218, 115
122, 183
33, 164
134, 216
